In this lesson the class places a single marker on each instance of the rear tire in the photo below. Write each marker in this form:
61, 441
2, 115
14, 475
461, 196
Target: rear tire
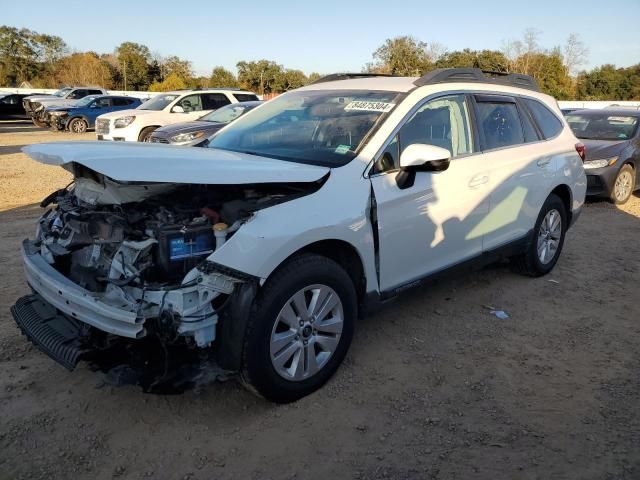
145, 134
546, 240
624, 185
78, 125
290, 352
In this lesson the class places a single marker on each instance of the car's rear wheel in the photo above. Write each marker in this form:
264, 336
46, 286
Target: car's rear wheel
623, 185
78, 125
145, 134
547, 240
300, 329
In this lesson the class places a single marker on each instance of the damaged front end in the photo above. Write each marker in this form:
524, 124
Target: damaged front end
115, 263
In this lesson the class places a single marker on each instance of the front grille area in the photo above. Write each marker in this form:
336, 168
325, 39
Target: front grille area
159, 140
102, 126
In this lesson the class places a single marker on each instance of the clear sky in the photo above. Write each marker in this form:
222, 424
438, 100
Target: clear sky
327, 35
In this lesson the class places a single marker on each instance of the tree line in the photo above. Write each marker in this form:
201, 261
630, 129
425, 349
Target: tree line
46, 61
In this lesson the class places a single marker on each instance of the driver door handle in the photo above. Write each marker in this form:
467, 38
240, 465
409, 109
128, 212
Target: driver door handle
478, 180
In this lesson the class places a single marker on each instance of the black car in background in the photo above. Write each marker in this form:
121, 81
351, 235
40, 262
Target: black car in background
612, 141
196, 133
11, 105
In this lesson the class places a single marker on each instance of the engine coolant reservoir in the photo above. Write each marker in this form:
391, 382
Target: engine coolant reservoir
220, 232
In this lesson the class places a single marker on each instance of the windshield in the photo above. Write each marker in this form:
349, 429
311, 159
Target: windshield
62, 92
86, 101
603, 126
227, 114
158, 103
317, 127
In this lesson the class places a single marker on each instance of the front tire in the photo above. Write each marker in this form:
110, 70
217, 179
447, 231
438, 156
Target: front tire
78, 125
145, 134
547, 240
300, 329
624, 185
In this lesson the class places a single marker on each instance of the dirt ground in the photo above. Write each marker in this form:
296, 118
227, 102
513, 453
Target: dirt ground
434, 385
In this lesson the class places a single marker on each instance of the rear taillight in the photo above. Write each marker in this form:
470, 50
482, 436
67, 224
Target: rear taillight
582, 150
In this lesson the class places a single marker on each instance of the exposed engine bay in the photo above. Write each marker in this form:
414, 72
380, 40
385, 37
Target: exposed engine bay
142, 249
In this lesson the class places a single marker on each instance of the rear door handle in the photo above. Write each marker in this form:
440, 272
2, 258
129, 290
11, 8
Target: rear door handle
478, 180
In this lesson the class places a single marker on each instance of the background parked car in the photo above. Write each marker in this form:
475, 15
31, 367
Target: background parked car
612, 140
11, 105
137, 125
193, 134
35, 105
82, 116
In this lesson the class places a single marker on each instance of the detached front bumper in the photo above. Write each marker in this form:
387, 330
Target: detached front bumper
600, 181
76, 302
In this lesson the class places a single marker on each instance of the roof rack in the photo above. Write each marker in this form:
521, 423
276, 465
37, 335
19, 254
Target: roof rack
348, 76
448, 75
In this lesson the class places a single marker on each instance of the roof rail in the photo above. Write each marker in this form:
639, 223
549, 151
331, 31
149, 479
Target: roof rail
448, 75
348, 76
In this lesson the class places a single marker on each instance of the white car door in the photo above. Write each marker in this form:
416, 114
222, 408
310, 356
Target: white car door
517, 164
430, 225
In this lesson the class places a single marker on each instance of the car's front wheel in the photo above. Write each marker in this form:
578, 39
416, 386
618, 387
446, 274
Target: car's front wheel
300, 329
145, 134
547, 239
78, 125
623, 185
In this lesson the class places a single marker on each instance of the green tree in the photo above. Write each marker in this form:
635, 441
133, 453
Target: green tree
401, 56
83, 69
489, 60
260, 76
18, 57
222, 78
175, 65
313, 76
173, 81
133, 59
290, 79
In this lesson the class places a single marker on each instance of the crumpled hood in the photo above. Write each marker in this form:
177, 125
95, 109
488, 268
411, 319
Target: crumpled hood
597, 149
187, 127
143, 162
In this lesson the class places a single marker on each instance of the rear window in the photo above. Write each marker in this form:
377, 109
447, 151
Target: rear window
245, 97
549, 124
500, 124
603, 126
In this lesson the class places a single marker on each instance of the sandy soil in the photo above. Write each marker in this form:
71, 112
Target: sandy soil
433, 387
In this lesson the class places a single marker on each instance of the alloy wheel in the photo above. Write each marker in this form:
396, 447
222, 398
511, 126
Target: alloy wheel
549, 235
623, 185
307, 332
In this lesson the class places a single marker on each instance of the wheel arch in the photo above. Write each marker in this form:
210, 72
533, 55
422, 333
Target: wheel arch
344, 254
564, 192
155, 127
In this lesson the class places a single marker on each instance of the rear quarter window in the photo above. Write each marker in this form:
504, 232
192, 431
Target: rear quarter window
549, 124
245, 97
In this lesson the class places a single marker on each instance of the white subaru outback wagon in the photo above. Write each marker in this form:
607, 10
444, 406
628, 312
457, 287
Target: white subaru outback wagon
258, 253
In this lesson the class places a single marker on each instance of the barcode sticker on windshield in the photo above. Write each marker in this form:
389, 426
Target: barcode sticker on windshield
368, 106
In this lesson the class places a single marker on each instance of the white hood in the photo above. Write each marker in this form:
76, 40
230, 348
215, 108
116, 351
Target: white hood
143, 162
131, 112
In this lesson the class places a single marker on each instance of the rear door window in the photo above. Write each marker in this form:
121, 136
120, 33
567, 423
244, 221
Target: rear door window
121, 102
499, 122
95, 92
549, 124
213, 101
